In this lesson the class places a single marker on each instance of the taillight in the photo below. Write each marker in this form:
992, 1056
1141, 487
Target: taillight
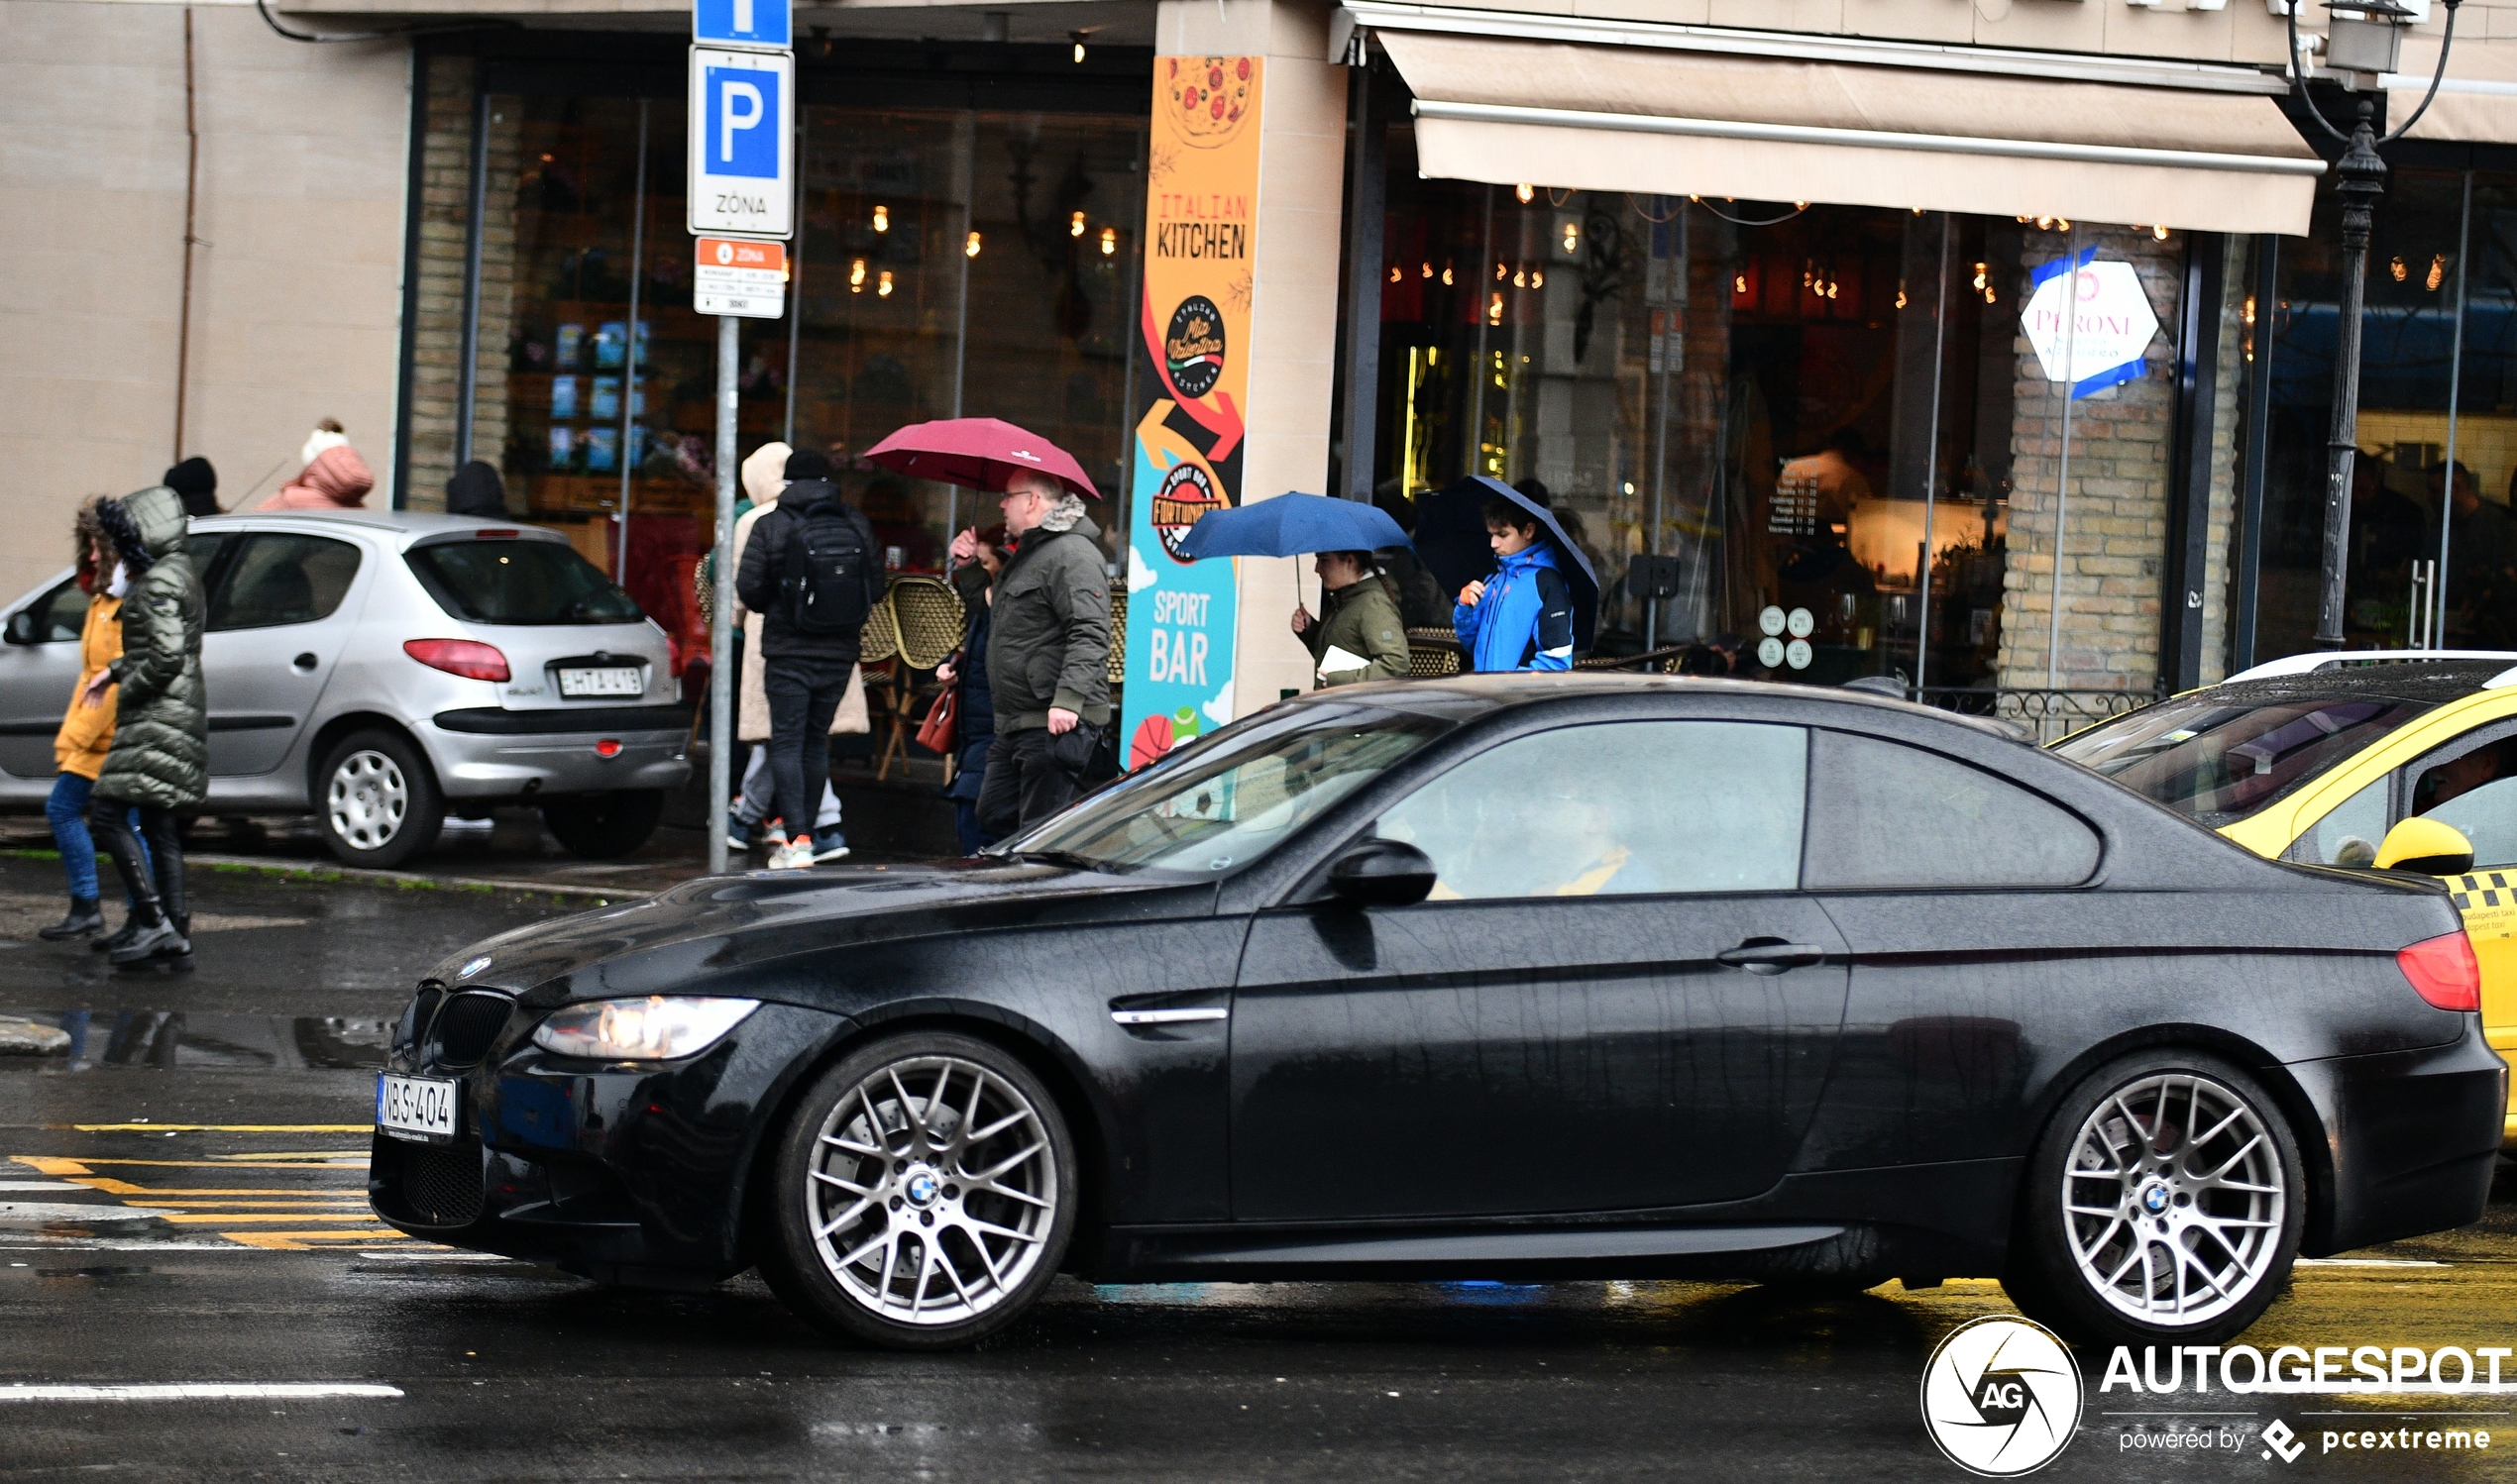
469, 657
608, 747
2444, 970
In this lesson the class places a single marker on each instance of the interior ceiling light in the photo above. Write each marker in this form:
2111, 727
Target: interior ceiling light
1527, 193
1075, 227
970, 249
882, 219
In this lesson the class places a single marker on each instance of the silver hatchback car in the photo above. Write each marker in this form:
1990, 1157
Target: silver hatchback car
379, 669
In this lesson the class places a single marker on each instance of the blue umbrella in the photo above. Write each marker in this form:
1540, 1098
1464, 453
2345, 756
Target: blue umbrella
1289, 525
1451, 540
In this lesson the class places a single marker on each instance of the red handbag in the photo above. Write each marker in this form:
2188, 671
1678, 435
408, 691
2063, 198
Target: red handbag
935, 733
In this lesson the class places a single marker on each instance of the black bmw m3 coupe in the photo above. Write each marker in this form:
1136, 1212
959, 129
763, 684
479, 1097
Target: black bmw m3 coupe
1517, 977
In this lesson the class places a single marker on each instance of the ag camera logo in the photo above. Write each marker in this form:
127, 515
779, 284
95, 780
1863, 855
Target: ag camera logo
2000, 1396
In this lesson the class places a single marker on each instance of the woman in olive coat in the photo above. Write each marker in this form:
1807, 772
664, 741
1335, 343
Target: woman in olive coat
1358, 618
161, 757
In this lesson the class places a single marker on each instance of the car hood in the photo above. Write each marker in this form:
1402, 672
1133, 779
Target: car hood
718, 928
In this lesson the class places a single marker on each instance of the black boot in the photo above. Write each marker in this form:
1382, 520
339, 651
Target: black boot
120, 937
84, 921
155, 942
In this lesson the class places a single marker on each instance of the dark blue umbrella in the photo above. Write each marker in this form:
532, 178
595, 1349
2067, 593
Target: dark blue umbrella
1289, 525
1451, 540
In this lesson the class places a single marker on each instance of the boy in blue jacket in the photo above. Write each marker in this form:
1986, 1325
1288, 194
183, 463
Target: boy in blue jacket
1523, 617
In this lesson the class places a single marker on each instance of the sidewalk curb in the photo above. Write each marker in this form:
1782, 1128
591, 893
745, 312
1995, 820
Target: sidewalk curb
408, 881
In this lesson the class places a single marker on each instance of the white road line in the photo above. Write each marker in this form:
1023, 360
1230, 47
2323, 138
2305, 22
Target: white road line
2368, 1262
407, 1255
40, 1185
197, 1391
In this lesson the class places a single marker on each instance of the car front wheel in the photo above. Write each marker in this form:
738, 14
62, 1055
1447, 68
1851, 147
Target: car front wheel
2164, 1205
925, 1194
376, 801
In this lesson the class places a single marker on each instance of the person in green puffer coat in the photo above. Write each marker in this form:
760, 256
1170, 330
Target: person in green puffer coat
159, 761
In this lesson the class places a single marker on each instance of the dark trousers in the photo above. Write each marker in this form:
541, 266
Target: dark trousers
1032, 776
154, 877
804, 694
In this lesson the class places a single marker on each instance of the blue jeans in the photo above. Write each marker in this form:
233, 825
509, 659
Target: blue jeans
66, 811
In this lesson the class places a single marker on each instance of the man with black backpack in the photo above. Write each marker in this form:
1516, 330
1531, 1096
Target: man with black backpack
810, 570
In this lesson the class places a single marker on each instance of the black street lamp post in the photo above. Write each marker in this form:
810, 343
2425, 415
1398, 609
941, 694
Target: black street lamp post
2364, 40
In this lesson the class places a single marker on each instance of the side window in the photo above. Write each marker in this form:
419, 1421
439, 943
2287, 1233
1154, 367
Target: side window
2474, 790
1619, 808
2349, 835
283, 579
1883, 814
60, 615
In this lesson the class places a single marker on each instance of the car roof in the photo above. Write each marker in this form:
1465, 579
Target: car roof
1460, 695
413, 524
2426, 682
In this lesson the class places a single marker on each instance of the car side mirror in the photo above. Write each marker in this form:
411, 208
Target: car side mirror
2429, 847
21, 629
1382, 873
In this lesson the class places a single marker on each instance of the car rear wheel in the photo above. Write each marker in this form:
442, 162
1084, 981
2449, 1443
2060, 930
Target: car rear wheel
376, 799
924, 1193
2164, 1205
605, 826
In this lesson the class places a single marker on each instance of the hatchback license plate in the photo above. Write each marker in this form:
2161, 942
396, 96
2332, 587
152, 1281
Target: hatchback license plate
607, 681
416, 1108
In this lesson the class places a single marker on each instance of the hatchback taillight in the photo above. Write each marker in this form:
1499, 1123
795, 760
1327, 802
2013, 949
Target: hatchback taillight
469, 657
2444, 970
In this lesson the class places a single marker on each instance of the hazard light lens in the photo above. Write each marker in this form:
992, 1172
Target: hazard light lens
469, 657
2445, 971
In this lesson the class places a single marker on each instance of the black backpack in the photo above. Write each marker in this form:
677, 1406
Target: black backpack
826, 573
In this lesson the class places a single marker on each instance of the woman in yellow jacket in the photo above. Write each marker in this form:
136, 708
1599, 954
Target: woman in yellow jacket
87, 732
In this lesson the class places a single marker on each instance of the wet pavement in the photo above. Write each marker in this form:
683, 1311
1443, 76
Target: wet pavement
182, 1205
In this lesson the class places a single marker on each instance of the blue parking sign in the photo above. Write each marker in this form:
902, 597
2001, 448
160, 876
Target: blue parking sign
742, 142
743, 123
741, 23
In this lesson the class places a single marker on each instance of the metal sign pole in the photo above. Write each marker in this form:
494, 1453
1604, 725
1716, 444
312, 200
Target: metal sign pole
721, 620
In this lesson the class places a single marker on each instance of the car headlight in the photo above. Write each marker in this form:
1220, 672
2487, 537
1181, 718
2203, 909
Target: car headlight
656, 1028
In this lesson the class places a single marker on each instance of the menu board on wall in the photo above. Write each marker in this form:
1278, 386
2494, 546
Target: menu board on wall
1201, 222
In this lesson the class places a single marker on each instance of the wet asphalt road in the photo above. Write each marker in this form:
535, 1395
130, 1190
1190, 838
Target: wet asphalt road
182, 1205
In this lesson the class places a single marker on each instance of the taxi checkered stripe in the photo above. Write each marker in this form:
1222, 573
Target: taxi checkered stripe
2496, 893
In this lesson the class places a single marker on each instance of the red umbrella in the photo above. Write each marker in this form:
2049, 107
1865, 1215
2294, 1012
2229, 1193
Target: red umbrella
977, 453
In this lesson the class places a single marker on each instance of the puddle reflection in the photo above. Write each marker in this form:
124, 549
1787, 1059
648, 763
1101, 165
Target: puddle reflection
234, 1043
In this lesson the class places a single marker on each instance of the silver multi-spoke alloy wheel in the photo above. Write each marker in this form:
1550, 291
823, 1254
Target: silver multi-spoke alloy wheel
368, 800
2174, 1200
934, 1191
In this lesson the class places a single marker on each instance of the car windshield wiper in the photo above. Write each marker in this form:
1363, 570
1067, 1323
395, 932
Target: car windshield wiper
1068, 858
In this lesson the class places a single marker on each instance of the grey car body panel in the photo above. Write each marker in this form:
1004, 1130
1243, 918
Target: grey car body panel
273, 713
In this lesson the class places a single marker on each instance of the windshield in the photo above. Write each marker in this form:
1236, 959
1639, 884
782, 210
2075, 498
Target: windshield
2216, 759
520, 582
1229, 799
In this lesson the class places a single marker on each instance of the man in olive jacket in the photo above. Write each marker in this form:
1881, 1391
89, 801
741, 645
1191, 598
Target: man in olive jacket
1358, 635
1048, 657
161, 757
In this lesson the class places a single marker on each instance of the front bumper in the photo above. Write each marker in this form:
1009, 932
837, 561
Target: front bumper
2414, 1140
632, 1172
484, 753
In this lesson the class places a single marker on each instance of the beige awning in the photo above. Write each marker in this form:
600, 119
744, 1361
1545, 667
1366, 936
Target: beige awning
2476, 103
1672, 123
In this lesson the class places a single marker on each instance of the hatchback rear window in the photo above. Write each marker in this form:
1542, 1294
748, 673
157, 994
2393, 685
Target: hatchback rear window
2216, 759
520, 582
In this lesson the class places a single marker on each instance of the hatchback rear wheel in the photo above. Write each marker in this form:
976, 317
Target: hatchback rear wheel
925, 1194
2164, 1205
376, 801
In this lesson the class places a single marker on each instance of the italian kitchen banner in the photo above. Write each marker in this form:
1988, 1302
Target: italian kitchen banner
1201, 222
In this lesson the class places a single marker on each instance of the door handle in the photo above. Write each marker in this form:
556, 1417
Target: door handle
304, 662
1771, 955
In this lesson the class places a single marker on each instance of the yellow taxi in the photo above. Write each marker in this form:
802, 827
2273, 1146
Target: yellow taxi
2353, 759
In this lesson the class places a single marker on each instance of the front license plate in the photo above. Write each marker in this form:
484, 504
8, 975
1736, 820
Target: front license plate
606, 680
422, 1109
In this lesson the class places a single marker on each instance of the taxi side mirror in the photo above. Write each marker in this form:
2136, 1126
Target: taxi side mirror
2430, 847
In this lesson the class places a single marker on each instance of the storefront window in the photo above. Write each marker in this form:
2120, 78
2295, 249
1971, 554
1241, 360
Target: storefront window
1750, 389
948, 262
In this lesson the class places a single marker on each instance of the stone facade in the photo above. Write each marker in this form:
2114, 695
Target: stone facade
445, 211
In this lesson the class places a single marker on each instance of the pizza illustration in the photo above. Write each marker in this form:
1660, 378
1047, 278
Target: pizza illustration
1208, 96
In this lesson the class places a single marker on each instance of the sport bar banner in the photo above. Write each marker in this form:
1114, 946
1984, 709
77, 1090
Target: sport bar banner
1201, 216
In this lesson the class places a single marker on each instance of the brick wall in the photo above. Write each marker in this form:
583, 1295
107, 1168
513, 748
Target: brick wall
2115, 520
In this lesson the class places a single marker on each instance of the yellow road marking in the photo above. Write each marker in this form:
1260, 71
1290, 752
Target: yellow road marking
51, 1165
221, 1128
298, 1241
359, 1200
108, 1186
206, 1218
